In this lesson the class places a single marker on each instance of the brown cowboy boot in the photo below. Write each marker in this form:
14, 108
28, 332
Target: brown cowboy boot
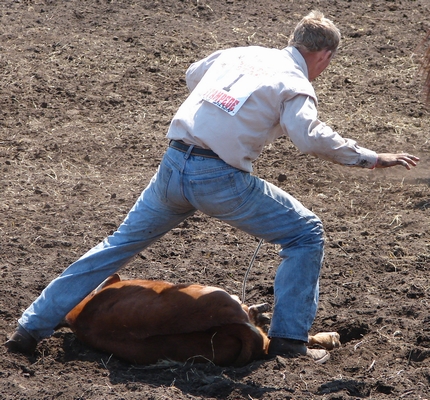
296, 348
21, 342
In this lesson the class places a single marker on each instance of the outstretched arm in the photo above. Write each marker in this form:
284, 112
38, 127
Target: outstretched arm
311, 136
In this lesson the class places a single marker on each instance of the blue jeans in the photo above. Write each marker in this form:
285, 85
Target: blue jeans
183, 184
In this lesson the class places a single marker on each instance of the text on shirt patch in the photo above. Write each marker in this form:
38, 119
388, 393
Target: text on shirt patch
227, 85
222, 100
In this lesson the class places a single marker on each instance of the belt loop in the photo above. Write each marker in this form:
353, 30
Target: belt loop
190, 149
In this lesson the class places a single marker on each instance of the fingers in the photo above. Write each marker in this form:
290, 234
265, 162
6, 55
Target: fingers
407, 160
405, 164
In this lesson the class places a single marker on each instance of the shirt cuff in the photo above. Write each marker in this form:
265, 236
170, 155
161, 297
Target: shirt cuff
368, 158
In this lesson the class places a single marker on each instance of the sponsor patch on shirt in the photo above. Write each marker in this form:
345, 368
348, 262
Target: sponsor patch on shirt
228, 87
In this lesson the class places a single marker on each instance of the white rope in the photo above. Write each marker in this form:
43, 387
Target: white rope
249, 269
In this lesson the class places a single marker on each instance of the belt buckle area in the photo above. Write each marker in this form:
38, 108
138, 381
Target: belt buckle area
179, 145
195, 150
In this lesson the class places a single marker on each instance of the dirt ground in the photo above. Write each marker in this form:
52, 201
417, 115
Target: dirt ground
87, 90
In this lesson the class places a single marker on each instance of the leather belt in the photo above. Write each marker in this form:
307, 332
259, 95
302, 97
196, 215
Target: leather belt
195, 151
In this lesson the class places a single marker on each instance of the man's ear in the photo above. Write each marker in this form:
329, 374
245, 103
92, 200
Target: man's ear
327, 55
323, 56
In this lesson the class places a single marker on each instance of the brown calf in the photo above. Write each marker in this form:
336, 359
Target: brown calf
146, 321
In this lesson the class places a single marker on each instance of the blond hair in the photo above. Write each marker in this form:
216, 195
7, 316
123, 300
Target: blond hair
314, 33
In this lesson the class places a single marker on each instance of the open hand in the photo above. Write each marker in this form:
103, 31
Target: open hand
390, 160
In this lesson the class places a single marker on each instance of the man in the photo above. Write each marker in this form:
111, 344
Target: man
241, 99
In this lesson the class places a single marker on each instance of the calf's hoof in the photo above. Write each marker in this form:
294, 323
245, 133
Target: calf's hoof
328, 340
257, 316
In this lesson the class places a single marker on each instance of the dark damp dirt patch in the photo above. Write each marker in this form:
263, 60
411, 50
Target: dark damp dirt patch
87, 90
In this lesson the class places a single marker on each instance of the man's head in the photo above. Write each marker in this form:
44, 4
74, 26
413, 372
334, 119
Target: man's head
314, 33
317, 39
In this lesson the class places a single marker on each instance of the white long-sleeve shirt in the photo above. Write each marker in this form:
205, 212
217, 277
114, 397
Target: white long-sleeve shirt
244, 98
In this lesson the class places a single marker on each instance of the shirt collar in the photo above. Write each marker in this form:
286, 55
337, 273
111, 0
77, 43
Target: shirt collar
298, 58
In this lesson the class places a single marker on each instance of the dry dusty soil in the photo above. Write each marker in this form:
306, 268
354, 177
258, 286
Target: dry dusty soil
87, 90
